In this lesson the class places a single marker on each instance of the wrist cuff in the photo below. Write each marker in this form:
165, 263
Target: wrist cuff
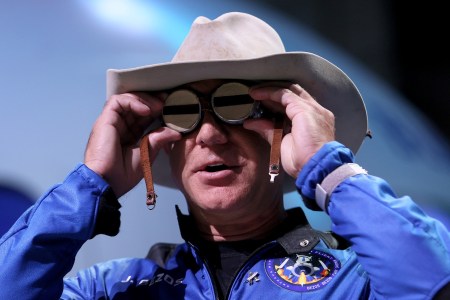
332, 180
108, 215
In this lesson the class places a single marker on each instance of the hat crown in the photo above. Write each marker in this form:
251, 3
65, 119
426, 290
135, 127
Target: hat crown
231, 36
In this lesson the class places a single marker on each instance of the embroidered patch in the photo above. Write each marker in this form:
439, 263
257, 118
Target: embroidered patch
303, 273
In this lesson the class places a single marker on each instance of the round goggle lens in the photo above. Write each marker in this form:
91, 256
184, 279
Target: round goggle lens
181, 111
232, 103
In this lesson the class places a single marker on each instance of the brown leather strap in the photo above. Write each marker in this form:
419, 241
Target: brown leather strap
147, 170
275, 150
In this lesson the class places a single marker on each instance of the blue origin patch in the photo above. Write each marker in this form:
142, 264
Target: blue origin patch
303, 273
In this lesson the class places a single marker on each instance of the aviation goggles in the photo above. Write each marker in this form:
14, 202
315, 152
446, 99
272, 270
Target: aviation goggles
230, 103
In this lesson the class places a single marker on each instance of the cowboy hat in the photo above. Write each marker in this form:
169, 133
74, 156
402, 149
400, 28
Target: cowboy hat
241, 46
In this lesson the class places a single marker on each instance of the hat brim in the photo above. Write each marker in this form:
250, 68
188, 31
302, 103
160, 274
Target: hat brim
327, 83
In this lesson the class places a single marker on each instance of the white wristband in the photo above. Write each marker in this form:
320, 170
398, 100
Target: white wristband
329, 183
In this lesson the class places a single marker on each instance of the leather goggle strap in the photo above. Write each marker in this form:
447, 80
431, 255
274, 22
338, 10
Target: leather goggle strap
147, 170
275, 149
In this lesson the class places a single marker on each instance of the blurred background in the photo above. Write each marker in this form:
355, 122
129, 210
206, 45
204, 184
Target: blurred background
405, 44
53, 61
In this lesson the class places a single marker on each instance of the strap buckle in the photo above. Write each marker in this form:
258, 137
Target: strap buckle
274, 171
151, 200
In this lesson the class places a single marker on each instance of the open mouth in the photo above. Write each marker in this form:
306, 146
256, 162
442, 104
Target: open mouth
216, 168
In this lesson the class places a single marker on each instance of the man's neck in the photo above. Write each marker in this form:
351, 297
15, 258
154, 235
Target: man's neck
241, 226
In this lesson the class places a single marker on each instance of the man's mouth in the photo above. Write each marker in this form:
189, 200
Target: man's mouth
218, 173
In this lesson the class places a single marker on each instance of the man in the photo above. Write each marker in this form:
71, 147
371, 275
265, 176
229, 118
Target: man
241, 119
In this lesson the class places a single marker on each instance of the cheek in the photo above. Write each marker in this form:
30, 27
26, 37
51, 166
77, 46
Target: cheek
177, 160
259, 150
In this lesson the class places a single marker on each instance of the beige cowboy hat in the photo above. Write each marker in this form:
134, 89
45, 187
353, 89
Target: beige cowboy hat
241, 46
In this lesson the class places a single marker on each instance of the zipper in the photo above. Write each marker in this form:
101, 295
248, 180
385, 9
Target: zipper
211, 276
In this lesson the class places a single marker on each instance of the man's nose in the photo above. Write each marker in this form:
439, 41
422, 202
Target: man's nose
211, 131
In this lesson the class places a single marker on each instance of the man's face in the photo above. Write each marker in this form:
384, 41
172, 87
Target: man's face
221, 167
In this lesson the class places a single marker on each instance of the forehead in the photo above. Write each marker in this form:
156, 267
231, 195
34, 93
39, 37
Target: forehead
204, 86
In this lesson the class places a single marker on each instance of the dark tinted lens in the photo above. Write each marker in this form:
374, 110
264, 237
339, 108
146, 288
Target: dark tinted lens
181, 111
232, 103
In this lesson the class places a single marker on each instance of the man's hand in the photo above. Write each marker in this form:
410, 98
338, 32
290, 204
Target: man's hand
312, 124
113, 151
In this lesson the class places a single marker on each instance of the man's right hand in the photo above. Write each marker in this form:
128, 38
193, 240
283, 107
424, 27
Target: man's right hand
113, 151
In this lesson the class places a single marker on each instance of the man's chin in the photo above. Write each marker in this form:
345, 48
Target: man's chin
220, 200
